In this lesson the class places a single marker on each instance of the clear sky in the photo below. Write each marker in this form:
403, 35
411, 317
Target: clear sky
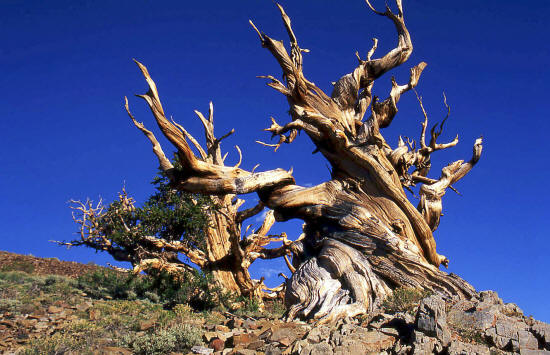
67, 66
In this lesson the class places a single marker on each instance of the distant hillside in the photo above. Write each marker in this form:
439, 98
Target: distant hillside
43, 266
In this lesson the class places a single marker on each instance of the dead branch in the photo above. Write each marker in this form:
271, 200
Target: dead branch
431, 194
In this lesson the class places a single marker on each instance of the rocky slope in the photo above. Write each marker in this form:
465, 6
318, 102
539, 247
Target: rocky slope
49, 315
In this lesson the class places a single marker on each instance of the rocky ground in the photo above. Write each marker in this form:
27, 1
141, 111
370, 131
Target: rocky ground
43, 266
49, 314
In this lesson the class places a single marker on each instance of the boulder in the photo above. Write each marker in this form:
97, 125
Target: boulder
363, 341
217, 344
542, 331
317, 349
422, 344
431, 319
320, 333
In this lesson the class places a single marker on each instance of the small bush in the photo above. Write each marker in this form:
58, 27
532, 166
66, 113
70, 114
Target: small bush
19, 265
10, 305
151, 296
107, 284
16, 277
249, 307
470, 335
163, 341
404, 300
192, 288
58, 343
275, 309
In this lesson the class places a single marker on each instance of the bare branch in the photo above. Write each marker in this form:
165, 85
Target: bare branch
276, 84
373, 49
289, 264
431, 193
386, 110
157, 149
240, 157
192, 139
170, 131
250, 212
435, 133
196, 256
205, 177
295, 49
346, 90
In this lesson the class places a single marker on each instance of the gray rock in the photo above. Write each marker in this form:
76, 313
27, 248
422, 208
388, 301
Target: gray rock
422, 344
281, 333
380, 320
509, 333
318, 334
478, 320
406, 317
489, 297
401, 348
542, 331
389, 331
197, 349
514, 345
462, 305
512, 310
317, 349
362, 341
499, 341
534, 352
527, 340
246, 352
431, 319
460, 348
489, 302
299, 346
350, 349
271, 350
507, 329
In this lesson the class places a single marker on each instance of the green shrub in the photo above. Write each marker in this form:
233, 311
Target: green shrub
10, 305
275, 309
16, 277
57, 343
106, 284
192, 288
151, 296
471, 335
163, 341
404, 300
19, 265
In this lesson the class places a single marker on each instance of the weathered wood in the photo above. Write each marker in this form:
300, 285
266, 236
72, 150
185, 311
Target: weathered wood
362, 236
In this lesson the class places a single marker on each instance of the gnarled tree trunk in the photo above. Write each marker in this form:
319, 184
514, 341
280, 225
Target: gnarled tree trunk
228, 253
362, 236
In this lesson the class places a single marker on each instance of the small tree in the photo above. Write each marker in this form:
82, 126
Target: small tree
205, 230
132, 234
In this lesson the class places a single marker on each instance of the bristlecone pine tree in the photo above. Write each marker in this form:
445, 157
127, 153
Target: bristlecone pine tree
362, 236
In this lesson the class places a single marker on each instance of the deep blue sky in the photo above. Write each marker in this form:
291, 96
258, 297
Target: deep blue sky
67, 66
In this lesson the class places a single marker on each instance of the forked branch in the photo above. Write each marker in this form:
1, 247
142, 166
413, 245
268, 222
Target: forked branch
203, 176
431, 194
353, 91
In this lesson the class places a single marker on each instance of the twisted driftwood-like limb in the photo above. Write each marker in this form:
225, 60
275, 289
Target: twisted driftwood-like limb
362, 236
430, 194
